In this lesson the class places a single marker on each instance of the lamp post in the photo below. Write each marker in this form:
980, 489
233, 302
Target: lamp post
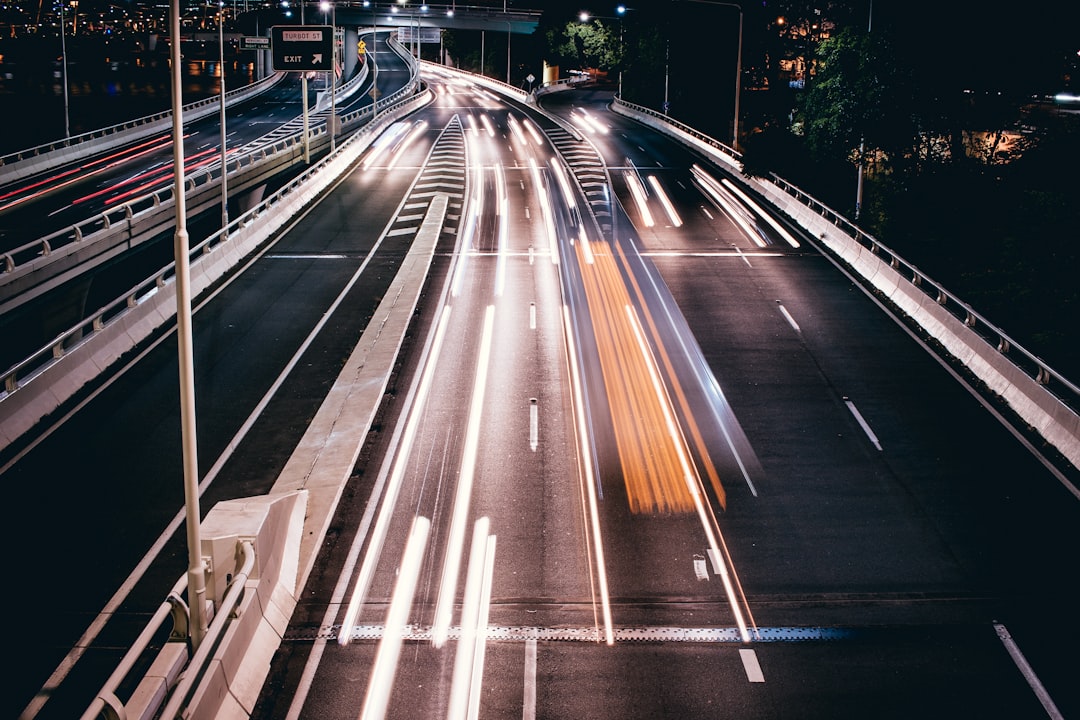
332, 124
738, 67
620, 11
862, 141
63, 51
196, 567
221, 67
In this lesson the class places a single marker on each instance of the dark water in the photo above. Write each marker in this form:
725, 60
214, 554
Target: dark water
108, 83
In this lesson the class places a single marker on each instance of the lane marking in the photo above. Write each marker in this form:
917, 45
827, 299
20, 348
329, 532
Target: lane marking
534, 425
751, 665
862, 423
1029, 674
787, 316
592, 634
528, 708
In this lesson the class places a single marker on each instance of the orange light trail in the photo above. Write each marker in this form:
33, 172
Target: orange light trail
652, 457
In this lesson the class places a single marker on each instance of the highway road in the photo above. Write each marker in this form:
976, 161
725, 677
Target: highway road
668, 463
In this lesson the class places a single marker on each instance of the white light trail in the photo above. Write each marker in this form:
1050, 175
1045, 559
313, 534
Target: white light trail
416, 131
564, 183
545, 209
378, 533
586, 463
472, 217
385, 667
672, 214
718, 195
780, 229
455, 540
637, 190
461, 680
534, 131
502, 215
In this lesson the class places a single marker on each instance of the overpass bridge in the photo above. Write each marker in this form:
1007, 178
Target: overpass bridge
290, 519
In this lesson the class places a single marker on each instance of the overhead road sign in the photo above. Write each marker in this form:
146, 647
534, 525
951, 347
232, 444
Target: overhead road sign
302, 47
256, 42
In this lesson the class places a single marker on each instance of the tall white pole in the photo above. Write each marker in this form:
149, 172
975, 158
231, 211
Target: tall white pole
862, 141
63, 51
303, 95
196, 571
333, 77
221, 65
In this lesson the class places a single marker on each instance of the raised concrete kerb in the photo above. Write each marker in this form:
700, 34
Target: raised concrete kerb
326, 455
274, 525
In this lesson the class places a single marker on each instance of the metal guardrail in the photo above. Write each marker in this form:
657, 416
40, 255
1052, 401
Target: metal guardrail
24, 371
108, 705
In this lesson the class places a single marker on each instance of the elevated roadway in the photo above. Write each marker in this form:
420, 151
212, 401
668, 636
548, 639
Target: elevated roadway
850, 526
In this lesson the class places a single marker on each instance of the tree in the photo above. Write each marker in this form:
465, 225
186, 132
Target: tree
859, 103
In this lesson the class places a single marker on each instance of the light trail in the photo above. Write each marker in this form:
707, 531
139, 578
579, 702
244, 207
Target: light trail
406, 142
780, 229
467, 674
672, 213
397, 475
501, 214
637, 191
544, 201
589, 484
726, 203
385, 666
83, 172
684, 403
455, 540
648, 457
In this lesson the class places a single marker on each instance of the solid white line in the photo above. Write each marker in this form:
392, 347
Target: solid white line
1027, 672
751, 665
528, 705
862, 423
787, 316
534, 425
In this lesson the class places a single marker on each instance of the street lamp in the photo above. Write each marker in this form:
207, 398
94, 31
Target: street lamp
221, 69
332, 124
738, 67
63, 51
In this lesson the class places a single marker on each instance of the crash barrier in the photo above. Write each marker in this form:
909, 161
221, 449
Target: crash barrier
1044, 399
39, 384
41, 158
250, 548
